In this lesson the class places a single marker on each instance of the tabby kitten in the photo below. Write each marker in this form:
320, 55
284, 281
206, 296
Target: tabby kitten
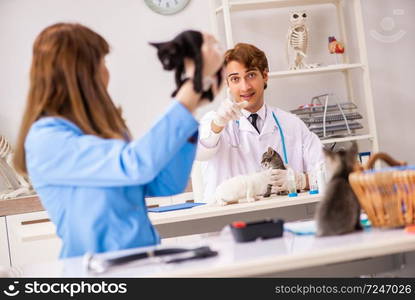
271, 160
172, 54
339, 210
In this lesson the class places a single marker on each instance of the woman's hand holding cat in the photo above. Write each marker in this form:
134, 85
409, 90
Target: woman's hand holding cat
208, 81
212, 62
280, 183
212, 58
186, 95
227, 111
212, 55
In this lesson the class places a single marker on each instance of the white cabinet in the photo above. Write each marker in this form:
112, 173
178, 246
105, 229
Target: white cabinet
32, 238
265, 24
4, 245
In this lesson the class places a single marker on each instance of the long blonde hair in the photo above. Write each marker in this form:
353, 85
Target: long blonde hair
66, 81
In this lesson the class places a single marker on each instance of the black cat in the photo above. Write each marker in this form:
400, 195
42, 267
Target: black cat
172, 54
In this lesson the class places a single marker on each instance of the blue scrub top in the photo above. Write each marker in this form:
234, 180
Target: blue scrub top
93, 188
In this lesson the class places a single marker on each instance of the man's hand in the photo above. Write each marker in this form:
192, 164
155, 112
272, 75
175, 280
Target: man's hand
227, 111
279, 180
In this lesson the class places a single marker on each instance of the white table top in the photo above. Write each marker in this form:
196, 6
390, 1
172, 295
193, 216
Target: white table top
290, 252
214, 210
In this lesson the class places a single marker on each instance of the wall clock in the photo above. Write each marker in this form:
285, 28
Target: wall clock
167, 7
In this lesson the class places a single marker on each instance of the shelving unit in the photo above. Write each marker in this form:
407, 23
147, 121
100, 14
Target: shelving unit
227, 7
320, 70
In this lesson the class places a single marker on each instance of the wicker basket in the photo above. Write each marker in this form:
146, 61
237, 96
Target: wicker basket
387, 195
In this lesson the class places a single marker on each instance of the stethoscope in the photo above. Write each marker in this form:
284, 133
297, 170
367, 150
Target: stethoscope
284, 149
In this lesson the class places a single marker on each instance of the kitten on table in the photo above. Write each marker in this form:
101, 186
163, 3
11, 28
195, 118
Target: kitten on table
339, 210
272, 160
249, 187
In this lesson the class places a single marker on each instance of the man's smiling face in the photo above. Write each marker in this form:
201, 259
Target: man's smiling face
246, 84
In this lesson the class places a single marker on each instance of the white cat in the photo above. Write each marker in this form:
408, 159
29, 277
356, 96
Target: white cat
242, 187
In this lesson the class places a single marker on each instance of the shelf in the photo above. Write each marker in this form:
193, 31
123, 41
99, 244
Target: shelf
348, 138
318, 70
340, 10
249, 5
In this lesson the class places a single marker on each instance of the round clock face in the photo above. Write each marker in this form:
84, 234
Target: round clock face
167, 7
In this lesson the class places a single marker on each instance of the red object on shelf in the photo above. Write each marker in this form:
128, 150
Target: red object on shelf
335, 46
239, 224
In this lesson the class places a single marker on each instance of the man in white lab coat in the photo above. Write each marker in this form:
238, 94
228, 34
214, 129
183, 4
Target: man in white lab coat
234, 137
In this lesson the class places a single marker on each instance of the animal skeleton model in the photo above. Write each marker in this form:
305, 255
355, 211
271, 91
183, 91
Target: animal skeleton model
297, 41
16, 185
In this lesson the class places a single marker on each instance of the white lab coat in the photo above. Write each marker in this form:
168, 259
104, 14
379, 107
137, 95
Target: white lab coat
240, 147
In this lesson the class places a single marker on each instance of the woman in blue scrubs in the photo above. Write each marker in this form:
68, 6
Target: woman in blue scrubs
76, 148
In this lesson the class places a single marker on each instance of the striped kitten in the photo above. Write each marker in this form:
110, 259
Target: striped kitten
271, 160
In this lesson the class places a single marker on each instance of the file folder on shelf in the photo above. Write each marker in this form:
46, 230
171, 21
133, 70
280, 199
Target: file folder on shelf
330, 120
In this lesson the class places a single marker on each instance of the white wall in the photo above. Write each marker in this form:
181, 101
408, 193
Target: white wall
390, 62
137, 82
390, 39
140, 85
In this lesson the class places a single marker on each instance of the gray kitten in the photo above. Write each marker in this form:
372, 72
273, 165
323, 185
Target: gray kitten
339, 210
271, 160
